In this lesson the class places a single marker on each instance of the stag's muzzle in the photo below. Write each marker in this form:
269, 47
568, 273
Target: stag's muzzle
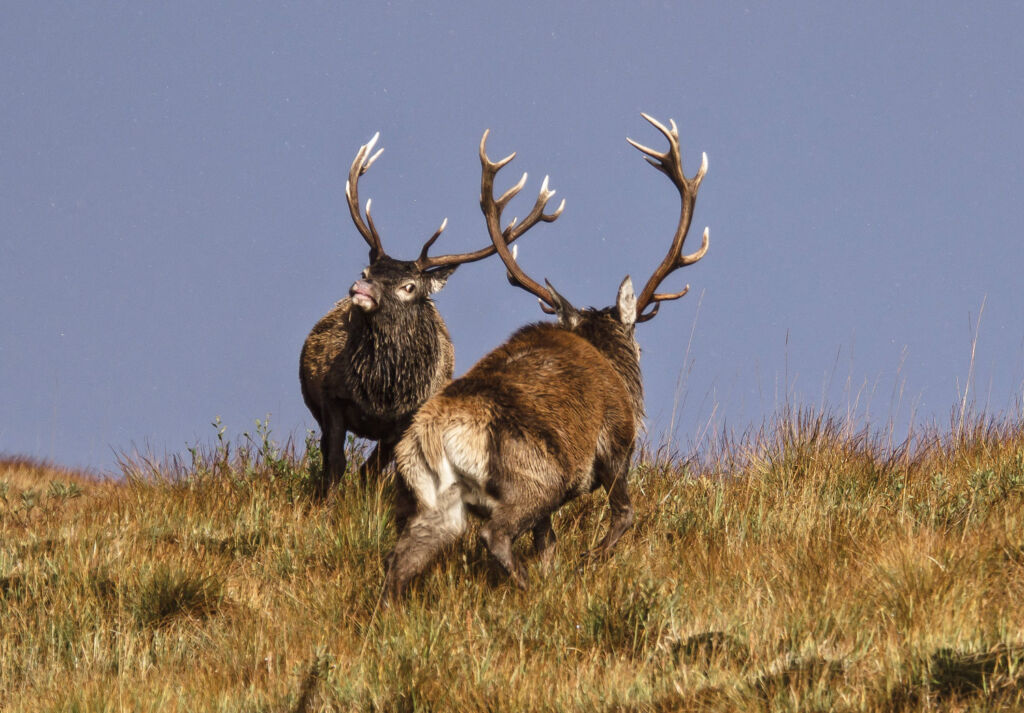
363, 295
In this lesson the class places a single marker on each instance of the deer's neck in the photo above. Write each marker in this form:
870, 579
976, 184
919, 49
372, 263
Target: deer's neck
394, 360
620, 348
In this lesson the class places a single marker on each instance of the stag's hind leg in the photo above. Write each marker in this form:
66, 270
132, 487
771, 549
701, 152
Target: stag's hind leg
543, 538
498, 535
517, 511
422, 539
613, 478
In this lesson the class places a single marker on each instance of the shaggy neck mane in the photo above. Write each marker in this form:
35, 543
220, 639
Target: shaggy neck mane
393, 359
619, 346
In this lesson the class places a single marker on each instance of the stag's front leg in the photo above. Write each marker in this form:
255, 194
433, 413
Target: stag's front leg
382, 454
332, 451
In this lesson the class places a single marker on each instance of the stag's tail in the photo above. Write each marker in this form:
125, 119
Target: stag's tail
438, 462
445, 448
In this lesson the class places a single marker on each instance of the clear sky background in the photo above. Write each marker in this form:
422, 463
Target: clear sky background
172, 214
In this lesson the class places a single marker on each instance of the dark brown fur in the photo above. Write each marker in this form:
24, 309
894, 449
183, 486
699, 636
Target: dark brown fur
373, 359
366, 372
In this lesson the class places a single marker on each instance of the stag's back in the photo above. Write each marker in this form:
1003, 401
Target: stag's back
533, 414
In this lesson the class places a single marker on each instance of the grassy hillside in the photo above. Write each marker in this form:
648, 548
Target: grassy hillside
801, 567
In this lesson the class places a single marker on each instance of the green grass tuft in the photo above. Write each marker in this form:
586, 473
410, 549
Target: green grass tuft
166, 593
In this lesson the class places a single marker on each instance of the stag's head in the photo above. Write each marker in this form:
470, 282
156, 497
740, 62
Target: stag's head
610, 328
388, 285
629, 308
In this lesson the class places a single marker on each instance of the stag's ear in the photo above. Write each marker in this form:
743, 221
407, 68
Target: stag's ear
437, 277
568, 316
627, 302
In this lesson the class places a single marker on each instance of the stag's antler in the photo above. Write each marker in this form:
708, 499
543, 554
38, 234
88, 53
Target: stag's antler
502, 238
368, 230
361, 165
671, 165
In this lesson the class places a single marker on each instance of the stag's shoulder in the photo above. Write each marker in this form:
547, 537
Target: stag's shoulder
327, 338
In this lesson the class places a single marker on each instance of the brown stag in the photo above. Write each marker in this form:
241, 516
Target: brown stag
551, 414
370, 362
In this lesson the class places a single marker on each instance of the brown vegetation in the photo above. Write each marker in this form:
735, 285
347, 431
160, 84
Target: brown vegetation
804, 566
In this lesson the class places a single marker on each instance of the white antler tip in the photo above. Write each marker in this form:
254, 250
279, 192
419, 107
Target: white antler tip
368, 202
515, 251
544, 185
372, 142
444, 224
369, 161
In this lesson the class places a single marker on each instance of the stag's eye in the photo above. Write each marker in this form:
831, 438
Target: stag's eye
410, 288
366, 273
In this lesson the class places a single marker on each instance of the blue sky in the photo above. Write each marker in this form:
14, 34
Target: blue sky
172, 215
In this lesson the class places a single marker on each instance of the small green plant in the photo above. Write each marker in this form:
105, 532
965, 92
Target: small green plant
314, 456
63, 491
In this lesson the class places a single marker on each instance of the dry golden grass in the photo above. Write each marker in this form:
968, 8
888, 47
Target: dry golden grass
26, 474
801, 567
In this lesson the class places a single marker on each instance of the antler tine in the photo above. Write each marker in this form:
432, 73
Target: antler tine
502, 238
490, 169
426, 246
360, 165
536, 215
670, 163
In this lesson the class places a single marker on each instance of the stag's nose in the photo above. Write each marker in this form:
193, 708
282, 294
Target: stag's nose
363, 295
